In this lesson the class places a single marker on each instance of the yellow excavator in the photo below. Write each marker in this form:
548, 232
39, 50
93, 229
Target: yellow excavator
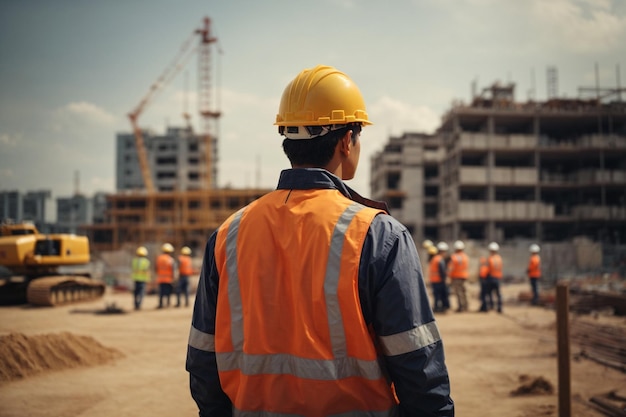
44, 269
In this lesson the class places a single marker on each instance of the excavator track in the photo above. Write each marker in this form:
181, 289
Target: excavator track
64, 289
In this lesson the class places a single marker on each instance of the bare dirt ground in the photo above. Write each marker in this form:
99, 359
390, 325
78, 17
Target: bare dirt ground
143, 371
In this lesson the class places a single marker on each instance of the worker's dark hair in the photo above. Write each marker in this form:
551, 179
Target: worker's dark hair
319, 151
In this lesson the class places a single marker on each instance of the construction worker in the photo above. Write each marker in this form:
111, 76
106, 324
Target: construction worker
458, 266
140, 275
185, 270
166, 273
486, 300
534, 271
494, 274
437, 273
432, 251
311, 299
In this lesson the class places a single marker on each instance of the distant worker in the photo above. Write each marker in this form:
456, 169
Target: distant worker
185, 270
437, 274
432, 251
166, 273
486, 300
459, 268
140, 275
534, 272
494, 276
311, 299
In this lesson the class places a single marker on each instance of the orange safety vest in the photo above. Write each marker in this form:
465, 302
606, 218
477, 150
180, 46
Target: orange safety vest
459, 263
495, 266
290, 338
165, 269
534, 266
483, 270
433, 269
184, 265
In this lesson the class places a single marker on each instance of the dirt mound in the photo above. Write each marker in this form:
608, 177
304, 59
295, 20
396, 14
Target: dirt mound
22, 356
533, 386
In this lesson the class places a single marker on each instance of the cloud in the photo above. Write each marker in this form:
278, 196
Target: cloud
80, 115
9, 140
400, 117
586, 26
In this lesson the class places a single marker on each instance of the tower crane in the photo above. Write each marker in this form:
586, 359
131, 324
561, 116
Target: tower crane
177, 64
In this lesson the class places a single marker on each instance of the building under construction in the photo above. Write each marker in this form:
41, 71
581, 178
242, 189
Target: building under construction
498, 170
167, 184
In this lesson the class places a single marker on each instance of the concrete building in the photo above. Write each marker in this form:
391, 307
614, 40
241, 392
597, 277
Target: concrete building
177, 161
29, 207
405, 174
72, 213
543, 171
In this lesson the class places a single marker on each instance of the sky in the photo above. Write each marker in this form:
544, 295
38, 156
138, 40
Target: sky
71, 71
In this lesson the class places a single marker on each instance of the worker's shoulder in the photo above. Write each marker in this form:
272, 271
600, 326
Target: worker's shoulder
386, 223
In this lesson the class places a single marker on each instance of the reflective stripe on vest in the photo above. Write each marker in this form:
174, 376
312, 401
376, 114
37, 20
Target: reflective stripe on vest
534, 266
288, 313
433, 269
165, 269
458, 265
184, 265
495, 266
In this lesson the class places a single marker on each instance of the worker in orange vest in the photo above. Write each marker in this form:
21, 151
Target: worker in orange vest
311, 299
437, 274
494, 275
534, 272
165, 273
185, 270
486, 300
459, 266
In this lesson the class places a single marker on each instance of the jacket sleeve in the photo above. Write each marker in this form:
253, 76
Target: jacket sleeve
201, 363
443, 272
395, 302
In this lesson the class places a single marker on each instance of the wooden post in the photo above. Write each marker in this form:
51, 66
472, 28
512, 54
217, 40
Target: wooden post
563, 354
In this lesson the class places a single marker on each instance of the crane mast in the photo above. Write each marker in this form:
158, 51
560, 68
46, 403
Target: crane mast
204, 98
204, 94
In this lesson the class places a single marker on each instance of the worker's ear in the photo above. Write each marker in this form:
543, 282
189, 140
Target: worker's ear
345, 144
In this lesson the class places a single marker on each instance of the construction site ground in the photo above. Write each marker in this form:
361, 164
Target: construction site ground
132, 363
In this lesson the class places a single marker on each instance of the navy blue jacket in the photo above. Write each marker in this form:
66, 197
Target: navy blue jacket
393, 300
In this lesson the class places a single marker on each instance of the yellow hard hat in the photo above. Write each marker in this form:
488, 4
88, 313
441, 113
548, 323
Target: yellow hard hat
142, 251
432, 250
167, 248
320, 96
186, 250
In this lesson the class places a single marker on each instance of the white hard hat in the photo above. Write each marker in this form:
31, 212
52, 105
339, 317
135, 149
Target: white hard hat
534, 248
494, 247
185, 250
141, 251
427, 243
167, 248
459, 245
442, 246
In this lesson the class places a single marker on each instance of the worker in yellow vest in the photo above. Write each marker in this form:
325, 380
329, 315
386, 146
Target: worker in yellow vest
185, 270
459, 271
165, 274
311, 299
140, 274
534, 272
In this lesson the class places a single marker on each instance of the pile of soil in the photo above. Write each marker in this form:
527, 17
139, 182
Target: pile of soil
533, 386
22, 356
